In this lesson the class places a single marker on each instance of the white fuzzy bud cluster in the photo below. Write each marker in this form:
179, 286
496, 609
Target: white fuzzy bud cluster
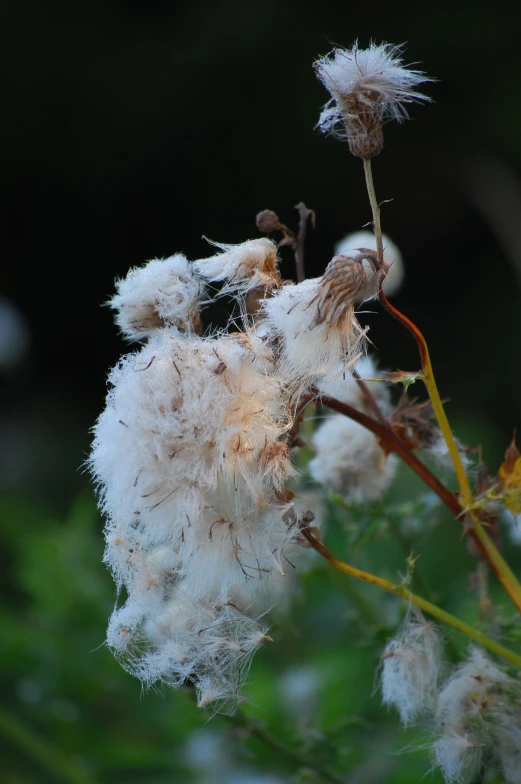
191, 457
314, 323
348, 457
165, 292
477, 710
412, 665
251, 265
479, 718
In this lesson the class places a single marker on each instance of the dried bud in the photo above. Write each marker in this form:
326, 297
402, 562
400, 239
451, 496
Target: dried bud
267, 220
367, 87
342, 282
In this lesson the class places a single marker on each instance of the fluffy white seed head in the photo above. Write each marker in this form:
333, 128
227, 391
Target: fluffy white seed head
190, 456
162, 292
367, 87
350, 245
411, 669
316, 326
469, 692
458, 756
245, 267
349, 460
478, 713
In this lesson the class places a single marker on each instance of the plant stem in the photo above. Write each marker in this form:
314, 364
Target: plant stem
423, 604
375, 209
485, 544
266, 737
393, 443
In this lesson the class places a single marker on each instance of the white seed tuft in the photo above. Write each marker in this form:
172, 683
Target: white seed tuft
163, 292
349, 460
411, 669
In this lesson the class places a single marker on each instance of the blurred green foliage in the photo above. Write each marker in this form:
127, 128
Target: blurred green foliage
70, 713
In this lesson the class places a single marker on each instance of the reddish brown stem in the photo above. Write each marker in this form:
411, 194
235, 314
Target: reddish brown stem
408, 324
393, 443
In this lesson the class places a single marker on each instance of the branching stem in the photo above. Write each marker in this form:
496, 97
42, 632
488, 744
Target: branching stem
485, 543
423, 604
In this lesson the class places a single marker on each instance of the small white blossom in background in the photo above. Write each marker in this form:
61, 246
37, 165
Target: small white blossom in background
163, 292
14, 335
349, 460
348, 457
479, 720
512, 526
367, 87
411, 669
352, 243
299, 690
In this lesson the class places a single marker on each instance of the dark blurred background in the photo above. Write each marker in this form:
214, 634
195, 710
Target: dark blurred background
130, 130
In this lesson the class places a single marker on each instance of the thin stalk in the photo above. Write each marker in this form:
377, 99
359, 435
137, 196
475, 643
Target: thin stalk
266, 737
485, 543
423, 604
375, 209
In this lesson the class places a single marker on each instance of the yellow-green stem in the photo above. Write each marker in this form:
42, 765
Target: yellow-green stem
423, 604
485, 543
375, 209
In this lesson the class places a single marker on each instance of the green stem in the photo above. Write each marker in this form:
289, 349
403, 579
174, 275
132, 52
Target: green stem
43, 753
423, 604
375, 210
484, 542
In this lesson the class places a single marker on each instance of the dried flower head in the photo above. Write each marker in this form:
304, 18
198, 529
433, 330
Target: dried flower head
314, 323
162, 292
367, 87
479, 716
251, 265
352, 243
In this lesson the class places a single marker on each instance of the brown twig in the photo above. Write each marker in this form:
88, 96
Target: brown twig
304, 215
393, 443
369, 399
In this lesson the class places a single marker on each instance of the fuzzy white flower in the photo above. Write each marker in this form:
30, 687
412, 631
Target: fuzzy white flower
162, 292
458, 756
411, 669
479, 711
467, 692
190, 458
351, 244
367, 87
349, 460
315, 324
245, 267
